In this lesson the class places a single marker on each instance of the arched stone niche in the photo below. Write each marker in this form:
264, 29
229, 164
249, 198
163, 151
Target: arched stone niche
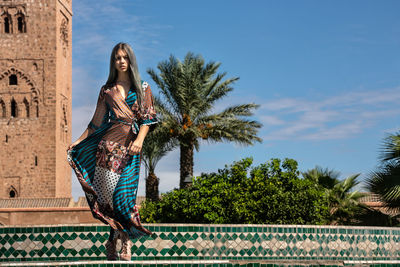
19, 97
13, 19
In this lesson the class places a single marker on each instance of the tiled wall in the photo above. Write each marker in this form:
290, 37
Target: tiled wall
206, 242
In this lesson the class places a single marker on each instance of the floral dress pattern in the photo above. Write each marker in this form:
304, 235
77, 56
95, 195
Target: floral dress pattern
109, 175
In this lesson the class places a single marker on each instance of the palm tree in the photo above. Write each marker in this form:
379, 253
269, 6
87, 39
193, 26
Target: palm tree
385, 182
323, 177
344, 203
190, 90
156, 145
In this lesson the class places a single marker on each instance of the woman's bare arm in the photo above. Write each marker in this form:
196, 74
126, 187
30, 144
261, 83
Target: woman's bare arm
136, 146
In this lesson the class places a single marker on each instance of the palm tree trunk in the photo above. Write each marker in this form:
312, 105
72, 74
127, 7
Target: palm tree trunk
186, 162
152, 187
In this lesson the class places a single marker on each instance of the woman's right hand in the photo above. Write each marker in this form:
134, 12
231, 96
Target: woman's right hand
85, 134
72, 145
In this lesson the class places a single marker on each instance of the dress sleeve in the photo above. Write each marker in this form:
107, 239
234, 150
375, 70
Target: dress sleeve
101, 113
148, 116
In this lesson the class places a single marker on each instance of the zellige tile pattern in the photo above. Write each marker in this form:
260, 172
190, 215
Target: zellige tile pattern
204, 242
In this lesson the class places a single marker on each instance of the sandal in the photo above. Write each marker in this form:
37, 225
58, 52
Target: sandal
126, 247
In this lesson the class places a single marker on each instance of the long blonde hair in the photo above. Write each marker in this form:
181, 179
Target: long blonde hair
133, 70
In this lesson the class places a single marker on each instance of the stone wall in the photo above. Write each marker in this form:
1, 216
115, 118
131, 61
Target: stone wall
35, 98
40, 216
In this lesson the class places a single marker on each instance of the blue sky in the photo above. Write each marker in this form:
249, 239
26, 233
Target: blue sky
325, 73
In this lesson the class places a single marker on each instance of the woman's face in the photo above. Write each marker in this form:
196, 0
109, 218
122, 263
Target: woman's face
121, 61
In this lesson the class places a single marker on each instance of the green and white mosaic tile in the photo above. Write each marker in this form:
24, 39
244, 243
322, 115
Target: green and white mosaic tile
204, 242
195, 263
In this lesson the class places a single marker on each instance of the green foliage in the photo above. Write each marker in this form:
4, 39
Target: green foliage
391, 148
269, 193
323, 177
385, 181
344, 205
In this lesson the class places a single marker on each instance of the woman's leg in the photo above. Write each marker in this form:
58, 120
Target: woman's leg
111, 245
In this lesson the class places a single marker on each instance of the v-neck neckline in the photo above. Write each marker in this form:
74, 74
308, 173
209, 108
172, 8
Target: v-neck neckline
119, 91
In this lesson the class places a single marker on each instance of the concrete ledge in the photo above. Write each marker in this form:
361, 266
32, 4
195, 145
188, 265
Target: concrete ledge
44, 209
45, 215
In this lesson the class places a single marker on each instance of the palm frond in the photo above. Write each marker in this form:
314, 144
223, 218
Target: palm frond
229, 113
212, 83
391, 148
350, 182
207, 76
163, 111
235, 130
220, 90
165, 90
188, 92
324, 177
385, 182
344, 203
239, 110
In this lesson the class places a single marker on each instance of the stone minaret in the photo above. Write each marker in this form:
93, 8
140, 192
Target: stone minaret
35, 98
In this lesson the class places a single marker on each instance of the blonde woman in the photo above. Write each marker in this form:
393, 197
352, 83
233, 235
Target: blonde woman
106, 157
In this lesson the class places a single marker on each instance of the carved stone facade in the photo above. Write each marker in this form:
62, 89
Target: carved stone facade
35, 98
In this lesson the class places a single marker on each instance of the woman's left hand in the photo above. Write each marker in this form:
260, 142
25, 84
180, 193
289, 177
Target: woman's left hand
136, 147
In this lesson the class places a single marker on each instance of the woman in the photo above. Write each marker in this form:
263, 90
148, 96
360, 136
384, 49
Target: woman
106, 158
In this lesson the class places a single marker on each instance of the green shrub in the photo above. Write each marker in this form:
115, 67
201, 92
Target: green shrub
268, 193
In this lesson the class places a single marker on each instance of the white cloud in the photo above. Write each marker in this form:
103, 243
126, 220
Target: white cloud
392, 130
98, 27
287, 104
341, 131
271, 120
335, 117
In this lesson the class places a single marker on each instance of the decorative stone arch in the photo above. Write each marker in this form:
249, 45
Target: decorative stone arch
22, 78
22, 106
13, 18
6, 23
20, 21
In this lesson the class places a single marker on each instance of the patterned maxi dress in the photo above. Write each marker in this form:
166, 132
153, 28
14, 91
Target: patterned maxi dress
109, 175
